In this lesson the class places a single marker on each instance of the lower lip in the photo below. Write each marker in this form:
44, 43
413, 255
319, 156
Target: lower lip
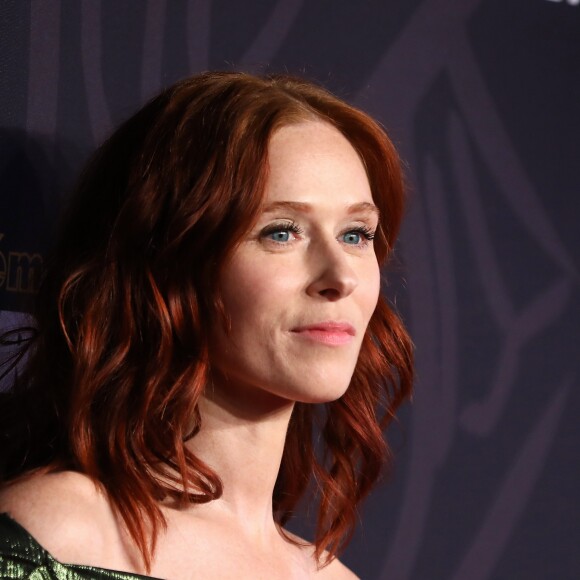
332, 337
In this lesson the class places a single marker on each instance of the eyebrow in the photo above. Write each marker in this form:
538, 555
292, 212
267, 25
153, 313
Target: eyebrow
363, 206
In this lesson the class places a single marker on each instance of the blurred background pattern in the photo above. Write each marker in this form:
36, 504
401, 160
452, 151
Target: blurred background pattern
482, 98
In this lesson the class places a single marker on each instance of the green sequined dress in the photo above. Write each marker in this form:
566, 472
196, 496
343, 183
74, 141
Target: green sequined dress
22, 557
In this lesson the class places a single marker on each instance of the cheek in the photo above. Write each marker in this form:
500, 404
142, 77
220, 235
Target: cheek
255, 294
370, 288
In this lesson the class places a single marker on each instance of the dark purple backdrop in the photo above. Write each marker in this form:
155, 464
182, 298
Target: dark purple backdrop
482, 98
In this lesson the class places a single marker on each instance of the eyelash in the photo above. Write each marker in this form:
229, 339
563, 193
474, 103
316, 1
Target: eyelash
282, 226
365, 231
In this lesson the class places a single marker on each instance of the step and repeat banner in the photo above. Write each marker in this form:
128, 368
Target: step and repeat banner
482, 98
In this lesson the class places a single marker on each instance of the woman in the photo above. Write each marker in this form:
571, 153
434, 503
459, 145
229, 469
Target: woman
217, 274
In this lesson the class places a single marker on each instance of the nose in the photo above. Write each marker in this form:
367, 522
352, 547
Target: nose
333, 277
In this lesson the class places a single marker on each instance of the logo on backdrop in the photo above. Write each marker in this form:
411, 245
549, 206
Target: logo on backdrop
20, 271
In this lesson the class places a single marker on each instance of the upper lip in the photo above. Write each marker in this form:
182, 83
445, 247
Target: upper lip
328, 326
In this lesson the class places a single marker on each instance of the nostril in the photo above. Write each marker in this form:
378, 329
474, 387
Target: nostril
333, 277
330, 293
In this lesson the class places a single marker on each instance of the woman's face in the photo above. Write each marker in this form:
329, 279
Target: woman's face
301, 287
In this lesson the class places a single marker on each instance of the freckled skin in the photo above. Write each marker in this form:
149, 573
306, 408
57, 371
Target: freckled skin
294, 268
298, 266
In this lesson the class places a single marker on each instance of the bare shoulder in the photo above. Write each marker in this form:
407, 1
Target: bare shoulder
64, 512
336, 570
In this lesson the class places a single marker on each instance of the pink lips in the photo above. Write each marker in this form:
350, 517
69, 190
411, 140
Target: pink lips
333, 333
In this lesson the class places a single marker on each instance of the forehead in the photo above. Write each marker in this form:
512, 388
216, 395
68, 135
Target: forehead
313, 161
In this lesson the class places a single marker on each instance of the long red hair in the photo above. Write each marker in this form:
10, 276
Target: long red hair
120, 357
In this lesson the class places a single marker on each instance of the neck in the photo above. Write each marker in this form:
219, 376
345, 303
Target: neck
242, 439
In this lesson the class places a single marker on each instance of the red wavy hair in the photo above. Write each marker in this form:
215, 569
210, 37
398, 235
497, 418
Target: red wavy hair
120, 358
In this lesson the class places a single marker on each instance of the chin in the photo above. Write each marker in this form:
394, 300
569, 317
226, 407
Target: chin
316, 394
326, 398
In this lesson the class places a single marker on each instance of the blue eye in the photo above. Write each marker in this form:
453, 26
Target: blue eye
358, 236
352, 238
279, 236
281, 233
